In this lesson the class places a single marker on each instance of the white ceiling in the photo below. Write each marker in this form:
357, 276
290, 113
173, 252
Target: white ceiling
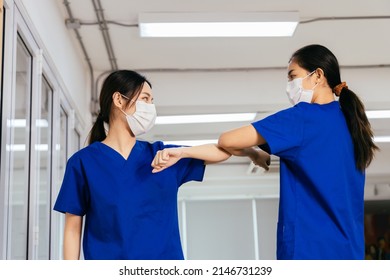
246, 65
131, 51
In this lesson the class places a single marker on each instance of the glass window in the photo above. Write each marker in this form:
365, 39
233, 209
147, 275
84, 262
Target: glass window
216, 237
60, 158
19, 160
62, 145
2, 25
76, 138
267, 214
42, 168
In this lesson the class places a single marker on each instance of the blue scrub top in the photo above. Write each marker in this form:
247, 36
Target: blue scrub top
321, 208
130, 213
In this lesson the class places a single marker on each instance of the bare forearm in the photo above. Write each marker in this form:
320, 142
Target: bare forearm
257, 156
72, 236
210, 153
71, 246
246, 152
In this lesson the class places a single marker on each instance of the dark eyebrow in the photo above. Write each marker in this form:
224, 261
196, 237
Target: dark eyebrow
147, 93
289, 72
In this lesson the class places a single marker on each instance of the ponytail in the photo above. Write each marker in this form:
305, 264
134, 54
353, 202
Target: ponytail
359, 127
97, 133
312, 57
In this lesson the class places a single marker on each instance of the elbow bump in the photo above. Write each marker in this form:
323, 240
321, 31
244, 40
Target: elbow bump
221, 141
224, 142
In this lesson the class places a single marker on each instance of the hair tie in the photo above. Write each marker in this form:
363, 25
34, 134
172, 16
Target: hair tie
337, 89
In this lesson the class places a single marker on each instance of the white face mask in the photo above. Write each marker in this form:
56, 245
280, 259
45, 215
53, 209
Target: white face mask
296, 93
143, 118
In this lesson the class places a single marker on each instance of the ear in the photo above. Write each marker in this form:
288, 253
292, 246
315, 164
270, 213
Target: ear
320, 77
117, 99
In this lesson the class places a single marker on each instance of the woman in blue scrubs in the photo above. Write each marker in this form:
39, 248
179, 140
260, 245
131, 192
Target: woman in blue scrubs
130, 212
324, 147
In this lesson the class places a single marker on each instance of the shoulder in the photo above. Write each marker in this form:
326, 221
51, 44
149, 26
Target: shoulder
155, 146
315, 107
296, 110
320, 112
282, 117
84, 153
301, 111
149, 149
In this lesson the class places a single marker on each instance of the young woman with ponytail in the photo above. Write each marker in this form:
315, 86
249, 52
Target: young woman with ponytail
130, 212
324, 145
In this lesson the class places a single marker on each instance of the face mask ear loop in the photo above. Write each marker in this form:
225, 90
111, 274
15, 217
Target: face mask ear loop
125, 97
316, 82
130, 101
311, 73
123, 112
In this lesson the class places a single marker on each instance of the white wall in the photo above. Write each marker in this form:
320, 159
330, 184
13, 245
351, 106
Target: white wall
264, 89
60, 46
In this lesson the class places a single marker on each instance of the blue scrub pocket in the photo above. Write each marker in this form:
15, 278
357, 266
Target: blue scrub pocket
286, 238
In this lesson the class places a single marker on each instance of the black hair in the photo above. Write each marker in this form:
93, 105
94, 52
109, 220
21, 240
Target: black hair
126, 82
311, 58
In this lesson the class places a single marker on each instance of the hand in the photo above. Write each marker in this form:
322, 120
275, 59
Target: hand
166, 158
262, 159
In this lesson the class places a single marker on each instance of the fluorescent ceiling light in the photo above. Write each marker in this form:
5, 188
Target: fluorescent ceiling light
22, 147
378, 114
206, 118
382, 139
191, 142
22, 123
275, 24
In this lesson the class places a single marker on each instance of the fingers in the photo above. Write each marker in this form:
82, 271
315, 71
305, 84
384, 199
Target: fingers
263, 162
160, 160
158, 169
266, 167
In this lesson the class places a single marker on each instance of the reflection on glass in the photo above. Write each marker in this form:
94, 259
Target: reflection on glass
19, 166
42, 167
60, 150
62, 144
76, 140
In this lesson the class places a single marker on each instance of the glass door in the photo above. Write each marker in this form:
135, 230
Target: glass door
37, 133
42, 199
19, 125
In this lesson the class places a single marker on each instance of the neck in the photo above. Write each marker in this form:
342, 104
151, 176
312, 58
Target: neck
120, 139
323, 96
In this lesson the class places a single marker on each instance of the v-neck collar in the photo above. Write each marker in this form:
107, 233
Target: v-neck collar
114, 154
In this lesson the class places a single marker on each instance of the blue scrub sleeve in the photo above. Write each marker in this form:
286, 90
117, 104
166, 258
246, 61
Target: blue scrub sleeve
188, 169
73, 195
283, 132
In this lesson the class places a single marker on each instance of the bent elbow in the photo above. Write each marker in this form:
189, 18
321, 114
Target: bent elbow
224, 142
